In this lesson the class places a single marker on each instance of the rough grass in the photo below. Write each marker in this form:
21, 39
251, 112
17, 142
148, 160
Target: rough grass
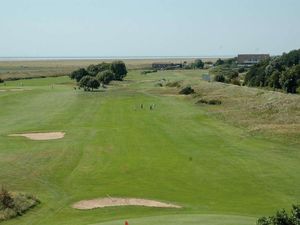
257, 109
180, 152
52, 68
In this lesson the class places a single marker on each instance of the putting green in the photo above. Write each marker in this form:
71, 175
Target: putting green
187, 219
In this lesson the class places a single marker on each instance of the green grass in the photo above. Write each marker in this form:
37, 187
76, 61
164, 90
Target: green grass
187, 219
178, 153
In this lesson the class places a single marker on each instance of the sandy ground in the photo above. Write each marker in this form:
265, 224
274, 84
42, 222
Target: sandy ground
41, 136
109, 202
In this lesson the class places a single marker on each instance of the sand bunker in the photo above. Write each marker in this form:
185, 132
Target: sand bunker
41, 136
109, 202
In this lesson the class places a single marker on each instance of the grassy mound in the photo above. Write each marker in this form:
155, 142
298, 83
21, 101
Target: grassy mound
15, 204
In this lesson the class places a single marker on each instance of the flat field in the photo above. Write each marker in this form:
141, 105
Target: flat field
55, 67
214, 161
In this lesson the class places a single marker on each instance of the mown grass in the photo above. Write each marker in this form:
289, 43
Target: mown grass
179, 153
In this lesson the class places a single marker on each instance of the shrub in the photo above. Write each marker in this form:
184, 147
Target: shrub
214, 102
202, 101
6, 200
148, 71
235, 81
198, 64
78, 74
174, 84
93, 70
89, 83
187, 91
219, 78
209, 102
105, 77
1, 81
219, 62
12, 205
242, 70
282, 217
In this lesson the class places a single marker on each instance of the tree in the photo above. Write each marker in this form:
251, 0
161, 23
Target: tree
1, 81
119, 69
273, 80
277, 72
219, 62
88, 83
78, 74
290, 78
105, 77
198, 64
93, 70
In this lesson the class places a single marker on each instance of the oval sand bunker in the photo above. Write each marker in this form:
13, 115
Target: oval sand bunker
109, 202
41, 136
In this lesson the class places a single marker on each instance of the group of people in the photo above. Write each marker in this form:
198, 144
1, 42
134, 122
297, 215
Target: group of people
151, 107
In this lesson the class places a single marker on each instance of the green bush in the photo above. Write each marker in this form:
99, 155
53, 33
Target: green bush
105, 77
174, 84
93, 70
12, 205
214, 102
236, 81
242, 70
219, 62
219, 78
198, 64
119, 69
209, 102
79, 74
148, 71
159, 84
282, 217
89, 83
187, 91
1, 81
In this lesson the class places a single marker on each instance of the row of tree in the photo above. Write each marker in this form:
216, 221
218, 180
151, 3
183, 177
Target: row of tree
281, 72
101, 74
197, 64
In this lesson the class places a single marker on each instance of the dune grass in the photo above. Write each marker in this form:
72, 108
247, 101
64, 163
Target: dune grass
178, 153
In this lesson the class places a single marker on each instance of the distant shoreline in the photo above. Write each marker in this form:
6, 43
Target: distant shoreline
108, 58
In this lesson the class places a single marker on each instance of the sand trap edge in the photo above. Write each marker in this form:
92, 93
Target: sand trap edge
41, 136
118, 202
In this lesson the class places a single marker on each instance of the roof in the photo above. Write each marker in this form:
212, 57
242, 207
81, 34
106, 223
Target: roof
251, 58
